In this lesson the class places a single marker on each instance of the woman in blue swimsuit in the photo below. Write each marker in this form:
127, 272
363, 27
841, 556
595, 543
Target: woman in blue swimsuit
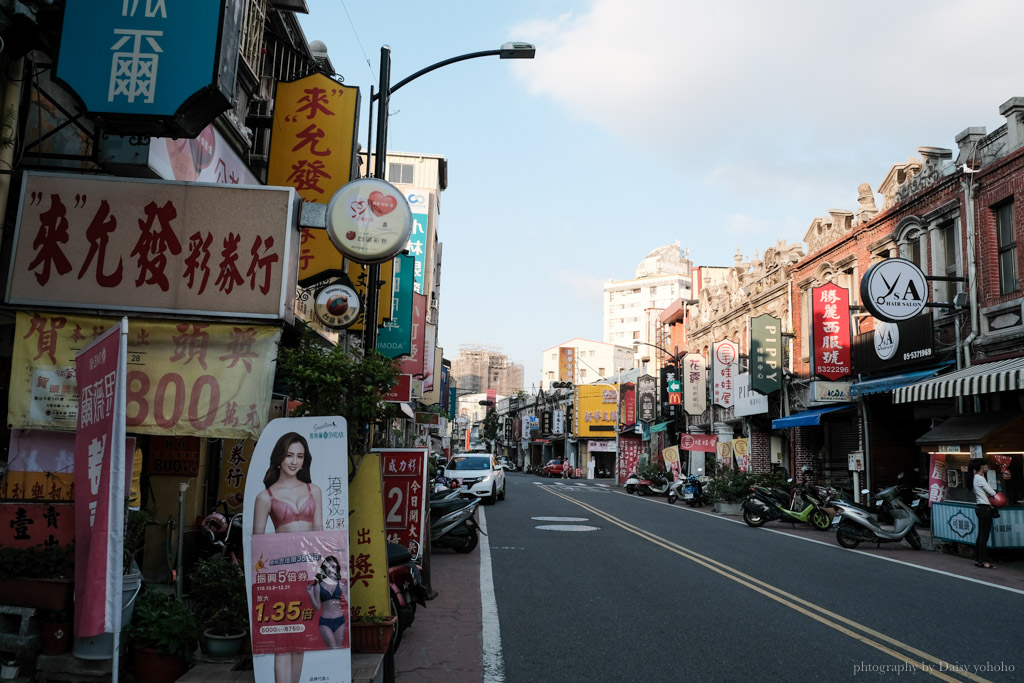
327, 594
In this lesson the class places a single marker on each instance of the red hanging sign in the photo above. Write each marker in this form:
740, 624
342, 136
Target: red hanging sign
830, 331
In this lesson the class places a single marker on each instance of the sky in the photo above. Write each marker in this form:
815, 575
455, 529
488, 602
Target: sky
724, 125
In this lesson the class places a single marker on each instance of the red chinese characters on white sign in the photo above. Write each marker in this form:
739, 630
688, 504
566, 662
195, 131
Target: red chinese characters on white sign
831, 331
726, 355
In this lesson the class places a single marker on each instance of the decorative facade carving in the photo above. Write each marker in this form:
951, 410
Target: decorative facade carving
935, 161
670, 259
897, 176
825, 230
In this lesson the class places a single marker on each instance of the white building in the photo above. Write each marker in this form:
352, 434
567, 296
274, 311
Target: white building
632, 308
595, 362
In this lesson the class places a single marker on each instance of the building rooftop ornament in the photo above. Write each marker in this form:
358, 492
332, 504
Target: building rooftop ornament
670, 259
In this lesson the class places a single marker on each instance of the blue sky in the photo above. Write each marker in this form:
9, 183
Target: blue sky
722, 125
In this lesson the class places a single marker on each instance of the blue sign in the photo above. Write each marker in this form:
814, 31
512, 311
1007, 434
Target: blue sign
394, 338
139, 57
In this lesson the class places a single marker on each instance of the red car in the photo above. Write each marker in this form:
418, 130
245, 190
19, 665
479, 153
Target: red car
553, 468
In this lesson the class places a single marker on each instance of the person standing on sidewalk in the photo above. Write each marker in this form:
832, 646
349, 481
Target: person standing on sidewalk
983, 508
566, 469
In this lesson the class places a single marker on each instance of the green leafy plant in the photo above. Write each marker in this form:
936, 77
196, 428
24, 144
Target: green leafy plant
134, 535
371, 619
164, 623
329, 380
37, 562
731, 485
217, 591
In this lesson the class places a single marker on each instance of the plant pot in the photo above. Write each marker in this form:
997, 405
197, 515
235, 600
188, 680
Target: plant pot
56, 638
370, 636
54, 594
9, 671
223, 646
728, 508
153, 667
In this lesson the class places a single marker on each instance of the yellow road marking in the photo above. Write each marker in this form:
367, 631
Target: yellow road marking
789, 600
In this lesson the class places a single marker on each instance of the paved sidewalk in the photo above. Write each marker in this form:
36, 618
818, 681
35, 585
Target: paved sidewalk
445, 643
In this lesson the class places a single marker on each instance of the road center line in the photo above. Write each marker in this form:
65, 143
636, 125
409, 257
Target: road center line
809, 609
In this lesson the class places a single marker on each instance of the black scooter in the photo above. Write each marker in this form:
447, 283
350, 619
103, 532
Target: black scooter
453, 524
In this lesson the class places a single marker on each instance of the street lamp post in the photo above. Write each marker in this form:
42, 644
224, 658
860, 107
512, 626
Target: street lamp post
513, 50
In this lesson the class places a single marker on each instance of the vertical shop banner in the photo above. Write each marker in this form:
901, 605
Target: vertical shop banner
766, 354
566, 364
627, 401
724, 454
628, 457
298, 564
830, 331
724, 369
234, 466
937, 478
646, 399
695, 384
412, 364
100, 483
671, 402
741, 449
429, 351
509, 424
394, 337
444, 394
558, 422
405, 496
671, 457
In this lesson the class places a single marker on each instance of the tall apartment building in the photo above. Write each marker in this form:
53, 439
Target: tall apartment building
479, 368
632, 308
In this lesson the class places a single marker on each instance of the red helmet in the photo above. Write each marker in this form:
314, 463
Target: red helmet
215, 522
999, 500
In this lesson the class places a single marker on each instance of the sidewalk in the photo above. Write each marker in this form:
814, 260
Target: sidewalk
445, 642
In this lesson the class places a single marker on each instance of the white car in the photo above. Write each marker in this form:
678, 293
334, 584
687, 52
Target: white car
480, 473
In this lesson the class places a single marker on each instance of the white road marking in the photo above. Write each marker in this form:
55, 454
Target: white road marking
493, 661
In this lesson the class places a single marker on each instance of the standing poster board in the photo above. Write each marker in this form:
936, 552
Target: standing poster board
295, 519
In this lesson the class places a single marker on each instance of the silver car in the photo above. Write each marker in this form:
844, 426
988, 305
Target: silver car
480, 473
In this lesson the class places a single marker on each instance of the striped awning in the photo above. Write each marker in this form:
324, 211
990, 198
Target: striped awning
987, 378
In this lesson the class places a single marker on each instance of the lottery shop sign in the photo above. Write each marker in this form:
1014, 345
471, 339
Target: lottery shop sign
186, 378
154, 245
405, 483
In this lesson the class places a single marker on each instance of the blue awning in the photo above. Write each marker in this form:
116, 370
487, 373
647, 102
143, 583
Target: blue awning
880, 384
808, 417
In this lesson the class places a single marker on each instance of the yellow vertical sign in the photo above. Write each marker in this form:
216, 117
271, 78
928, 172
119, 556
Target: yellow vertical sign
367, 541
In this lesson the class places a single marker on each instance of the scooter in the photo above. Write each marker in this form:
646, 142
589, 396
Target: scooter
453, 524
691, 490
631, 483
658, 486
855, 525
764, 505
405, 582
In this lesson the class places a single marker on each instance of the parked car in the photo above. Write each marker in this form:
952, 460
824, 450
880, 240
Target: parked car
553, 468
480, 473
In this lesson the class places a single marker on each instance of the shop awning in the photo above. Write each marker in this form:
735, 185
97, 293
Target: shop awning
883, 384
967, 429
808, 417
987, 378
660, 427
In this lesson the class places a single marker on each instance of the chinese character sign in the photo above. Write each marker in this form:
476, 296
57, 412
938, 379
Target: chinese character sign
405, 497
937, 478
627, 403
299, 565
671, 399
695, 384
94, 242
830, 331
765, 354
143, 57
628, 456
566, 364
99, 483
412, 364
725, 366
596, 409
204, 379
646, 399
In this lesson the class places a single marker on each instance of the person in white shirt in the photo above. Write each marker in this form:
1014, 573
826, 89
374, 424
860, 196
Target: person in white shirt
983, 508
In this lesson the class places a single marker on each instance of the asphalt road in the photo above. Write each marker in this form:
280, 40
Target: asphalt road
621, 588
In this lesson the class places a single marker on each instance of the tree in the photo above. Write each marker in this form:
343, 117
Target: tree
329, 380
490, 427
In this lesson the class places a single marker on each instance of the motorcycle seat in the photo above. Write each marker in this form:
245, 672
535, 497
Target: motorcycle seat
443, 507
398, 554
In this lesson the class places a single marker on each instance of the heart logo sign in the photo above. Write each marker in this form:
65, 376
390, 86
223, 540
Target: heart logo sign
358, 208
382, 204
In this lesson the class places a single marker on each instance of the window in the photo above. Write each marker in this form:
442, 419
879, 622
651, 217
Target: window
400, 173
1007, 244
947, 246
583, 373
600, 371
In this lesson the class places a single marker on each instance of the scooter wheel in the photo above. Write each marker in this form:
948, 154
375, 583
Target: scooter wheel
753, 520
672, 498
631, 488
820, 520
914, 539
845, 538
469, 545
641, 491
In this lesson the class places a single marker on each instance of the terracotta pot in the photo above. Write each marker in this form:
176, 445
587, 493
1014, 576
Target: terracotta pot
372, 637
153, 667
223, 646
56, 638
54, 594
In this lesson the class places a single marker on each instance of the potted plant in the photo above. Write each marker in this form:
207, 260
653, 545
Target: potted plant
39, 576
728, 489
164, 634
372, 632
217, 592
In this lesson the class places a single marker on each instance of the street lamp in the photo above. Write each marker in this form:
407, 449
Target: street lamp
512, 50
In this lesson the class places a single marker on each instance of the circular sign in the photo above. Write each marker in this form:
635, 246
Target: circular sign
369, 220
887, 340
894, 290
687, 442
337, 306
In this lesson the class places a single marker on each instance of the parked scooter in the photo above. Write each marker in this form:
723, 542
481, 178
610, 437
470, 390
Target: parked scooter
691, 490
658, 486
764, 505
631, 482
855, 524
405, 582
453, 524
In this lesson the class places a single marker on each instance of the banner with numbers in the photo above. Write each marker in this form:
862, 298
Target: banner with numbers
405, 501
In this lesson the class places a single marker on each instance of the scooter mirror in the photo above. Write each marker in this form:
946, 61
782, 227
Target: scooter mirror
865, 491
790, 480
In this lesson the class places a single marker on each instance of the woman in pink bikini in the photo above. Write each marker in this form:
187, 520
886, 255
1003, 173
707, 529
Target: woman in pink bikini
293, 503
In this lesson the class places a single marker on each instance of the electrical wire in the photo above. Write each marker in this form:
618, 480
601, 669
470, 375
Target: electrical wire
358, 41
